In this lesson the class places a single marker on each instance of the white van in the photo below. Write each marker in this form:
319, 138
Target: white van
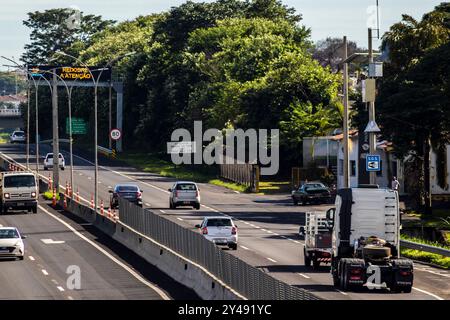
18, 191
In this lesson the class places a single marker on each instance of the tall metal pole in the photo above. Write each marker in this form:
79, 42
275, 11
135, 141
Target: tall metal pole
96, 147
346, 135
55, 133
37, 129
372, 135
70, 136
110, 115
28, 125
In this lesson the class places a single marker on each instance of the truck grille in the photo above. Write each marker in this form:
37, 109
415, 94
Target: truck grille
20, 195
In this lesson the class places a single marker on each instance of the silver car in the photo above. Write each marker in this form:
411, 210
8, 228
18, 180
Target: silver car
17, 136
11, 244
220, 230
184, 193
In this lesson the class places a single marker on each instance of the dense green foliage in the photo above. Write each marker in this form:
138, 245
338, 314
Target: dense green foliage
414, 96
229, 63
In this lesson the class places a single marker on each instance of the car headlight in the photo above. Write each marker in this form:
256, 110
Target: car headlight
33, 194
7, 196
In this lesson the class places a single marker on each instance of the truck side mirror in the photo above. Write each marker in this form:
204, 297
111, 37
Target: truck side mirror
330, 214
301, 231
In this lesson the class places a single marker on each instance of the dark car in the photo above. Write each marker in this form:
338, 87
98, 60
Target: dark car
311, 192
130, 192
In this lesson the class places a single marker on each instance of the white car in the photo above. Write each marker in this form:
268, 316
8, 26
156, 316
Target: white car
17, 136
11, 244
48, 161
220, 230
184, 193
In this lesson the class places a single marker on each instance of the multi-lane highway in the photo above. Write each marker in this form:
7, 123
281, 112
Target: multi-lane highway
268, 227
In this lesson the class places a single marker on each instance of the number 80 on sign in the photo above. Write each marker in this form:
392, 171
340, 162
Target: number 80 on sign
115, 134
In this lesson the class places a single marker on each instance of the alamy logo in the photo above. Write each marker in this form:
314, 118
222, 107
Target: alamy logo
74, 279
231, 148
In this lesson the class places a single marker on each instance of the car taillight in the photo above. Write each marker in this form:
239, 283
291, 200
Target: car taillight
233, 230
176, 193
204, 230
405, 273
355, 271
196, 193
139, 195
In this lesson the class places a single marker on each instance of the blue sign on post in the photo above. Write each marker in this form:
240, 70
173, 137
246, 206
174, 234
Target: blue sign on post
373, 162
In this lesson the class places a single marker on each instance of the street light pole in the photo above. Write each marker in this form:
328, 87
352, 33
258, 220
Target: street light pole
372, 135
346, 134
55, 133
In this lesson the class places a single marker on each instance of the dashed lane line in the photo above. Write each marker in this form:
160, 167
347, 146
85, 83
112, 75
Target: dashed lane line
107, 254
60, 288
31, 258
304, 275
272, 260
44, 272
245, 248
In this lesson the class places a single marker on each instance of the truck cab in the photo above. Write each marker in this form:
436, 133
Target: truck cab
366, 241
18, 191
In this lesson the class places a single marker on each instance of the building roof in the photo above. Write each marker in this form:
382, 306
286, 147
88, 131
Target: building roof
13, 98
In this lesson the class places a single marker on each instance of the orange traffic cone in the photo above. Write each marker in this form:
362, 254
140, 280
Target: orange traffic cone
92, 201
66, 192
101, 208
50, 182
54, 198
65, 202
78, 196
109, 213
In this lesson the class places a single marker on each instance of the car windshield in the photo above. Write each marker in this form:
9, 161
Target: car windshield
218, 223
19, 181
8, 234
19, 134
186, 186
314, 186
127, 188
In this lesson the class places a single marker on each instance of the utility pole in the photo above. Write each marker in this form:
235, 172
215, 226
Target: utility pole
55, 133
345, 137
110, 115
372, 135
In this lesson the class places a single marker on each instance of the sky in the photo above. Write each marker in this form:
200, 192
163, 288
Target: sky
326, 18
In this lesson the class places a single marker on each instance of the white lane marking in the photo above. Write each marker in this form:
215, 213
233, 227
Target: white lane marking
162, 211
304, 275
44, 272
120, 263
264, 230
50, 241
80, 174
344, 293
245, 248
69, 297
60, 288
275, 234
1, 226
284, 237
180, 219
89, 178
31, 258
268, 231
54, 281
270, 259
434, 272
99, 182
109, 187
429, 293
257, 227
247, 223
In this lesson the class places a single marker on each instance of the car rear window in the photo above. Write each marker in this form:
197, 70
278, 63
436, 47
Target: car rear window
8, 234
50, 156
186, 186
218, 223
315, 186
19, 134
19, 181
127, 188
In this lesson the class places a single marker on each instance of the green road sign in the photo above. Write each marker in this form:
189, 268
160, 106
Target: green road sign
78, 126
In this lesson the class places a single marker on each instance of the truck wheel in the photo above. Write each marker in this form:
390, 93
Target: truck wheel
34, 209
307, 258
4, 210
295, 202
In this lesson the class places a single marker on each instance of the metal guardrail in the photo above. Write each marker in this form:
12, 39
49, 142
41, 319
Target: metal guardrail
249, 281
424, 247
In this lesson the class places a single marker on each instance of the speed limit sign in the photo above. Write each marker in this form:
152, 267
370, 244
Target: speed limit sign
115, 134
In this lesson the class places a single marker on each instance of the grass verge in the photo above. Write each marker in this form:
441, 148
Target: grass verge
154, 164
440, 219
426, 257
4, 137
433, 258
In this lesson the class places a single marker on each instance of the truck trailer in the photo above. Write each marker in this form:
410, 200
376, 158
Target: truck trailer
366, 241
317, 248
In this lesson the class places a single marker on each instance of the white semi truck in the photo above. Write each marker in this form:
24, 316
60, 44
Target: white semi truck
366, 241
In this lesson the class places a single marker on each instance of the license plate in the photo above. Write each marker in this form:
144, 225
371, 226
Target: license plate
20, 204
186, 202
4, 251
221, 240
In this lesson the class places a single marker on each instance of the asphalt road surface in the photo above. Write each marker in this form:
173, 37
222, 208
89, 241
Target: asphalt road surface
268, 227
